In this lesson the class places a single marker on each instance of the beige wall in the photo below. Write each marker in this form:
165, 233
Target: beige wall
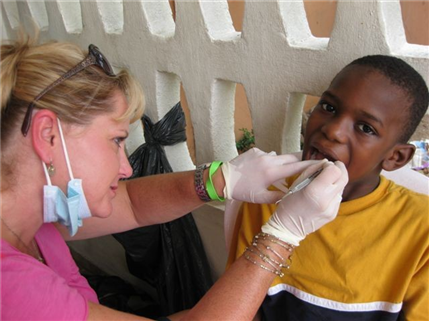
321, 15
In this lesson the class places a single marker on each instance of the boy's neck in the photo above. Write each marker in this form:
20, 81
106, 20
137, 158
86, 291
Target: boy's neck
355, 190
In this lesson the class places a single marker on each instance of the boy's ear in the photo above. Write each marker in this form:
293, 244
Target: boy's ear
400, 156
44, 134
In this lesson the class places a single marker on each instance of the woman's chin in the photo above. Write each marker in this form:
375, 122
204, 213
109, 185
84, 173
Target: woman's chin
103, 212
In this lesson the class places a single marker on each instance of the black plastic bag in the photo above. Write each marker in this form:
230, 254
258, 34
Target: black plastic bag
170, 256
120, 295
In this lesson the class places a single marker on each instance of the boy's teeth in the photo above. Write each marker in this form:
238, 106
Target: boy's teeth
316, 155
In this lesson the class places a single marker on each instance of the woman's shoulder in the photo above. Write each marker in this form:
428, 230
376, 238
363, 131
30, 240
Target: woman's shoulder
28, 284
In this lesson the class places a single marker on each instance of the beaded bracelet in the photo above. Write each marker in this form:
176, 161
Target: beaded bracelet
209, 184
276, 240
266, 258
276, 272
273, 239
260, 239
199, 183
255, 245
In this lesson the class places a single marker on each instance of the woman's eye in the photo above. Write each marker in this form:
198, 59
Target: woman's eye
118, 140
367, 129
327, 107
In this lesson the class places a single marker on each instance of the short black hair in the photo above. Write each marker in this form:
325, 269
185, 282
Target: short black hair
406, 77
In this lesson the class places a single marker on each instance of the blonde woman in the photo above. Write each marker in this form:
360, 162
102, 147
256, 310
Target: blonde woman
65, 117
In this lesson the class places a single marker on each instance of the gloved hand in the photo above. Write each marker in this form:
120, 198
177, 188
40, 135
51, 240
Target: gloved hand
248, 176
305, 211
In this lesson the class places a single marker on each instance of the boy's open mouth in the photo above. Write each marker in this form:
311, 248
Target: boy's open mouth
319, 155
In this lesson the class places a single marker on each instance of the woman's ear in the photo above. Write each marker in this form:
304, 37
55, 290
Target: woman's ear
44, 134
400, 156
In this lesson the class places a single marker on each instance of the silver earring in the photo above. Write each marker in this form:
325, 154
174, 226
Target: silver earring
51, 169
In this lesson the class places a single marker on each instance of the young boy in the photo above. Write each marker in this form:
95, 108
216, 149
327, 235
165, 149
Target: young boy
372, 261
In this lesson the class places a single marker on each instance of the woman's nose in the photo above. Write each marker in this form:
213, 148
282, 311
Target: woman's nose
125, 169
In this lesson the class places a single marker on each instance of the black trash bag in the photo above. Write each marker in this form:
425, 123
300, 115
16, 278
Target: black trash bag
170, 256
120, 295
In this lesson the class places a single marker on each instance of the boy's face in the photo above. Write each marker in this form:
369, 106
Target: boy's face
358, 121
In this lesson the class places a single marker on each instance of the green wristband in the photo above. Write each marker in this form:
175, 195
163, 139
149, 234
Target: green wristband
209, 184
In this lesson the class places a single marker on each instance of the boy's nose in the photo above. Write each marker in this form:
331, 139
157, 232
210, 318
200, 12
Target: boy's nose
336, 130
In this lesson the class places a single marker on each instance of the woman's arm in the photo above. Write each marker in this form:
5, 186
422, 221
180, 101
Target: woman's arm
237, 295
161, 198
145, 201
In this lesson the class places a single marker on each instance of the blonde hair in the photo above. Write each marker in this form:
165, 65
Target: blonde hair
27, 69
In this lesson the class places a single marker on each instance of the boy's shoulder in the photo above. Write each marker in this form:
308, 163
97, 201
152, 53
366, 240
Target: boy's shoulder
410, 179
403, 204
405, 191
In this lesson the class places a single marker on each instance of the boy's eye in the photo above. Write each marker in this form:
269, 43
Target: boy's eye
327, 107
367, 129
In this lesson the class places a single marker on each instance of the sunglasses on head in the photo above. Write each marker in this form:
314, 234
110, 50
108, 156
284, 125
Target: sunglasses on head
95, 57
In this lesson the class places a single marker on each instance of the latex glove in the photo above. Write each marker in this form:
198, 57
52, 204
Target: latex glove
248, 176
305, 211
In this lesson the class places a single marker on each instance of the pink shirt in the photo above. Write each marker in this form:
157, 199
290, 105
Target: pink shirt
31, 290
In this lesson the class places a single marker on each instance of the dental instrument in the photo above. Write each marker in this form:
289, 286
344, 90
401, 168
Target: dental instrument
301, 185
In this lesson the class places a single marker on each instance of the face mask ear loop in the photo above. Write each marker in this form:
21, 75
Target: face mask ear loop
48, 179
65, 149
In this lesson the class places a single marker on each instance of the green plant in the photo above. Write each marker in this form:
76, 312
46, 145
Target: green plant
246, 142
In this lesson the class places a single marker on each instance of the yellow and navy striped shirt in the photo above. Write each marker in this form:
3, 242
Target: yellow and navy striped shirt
370, 263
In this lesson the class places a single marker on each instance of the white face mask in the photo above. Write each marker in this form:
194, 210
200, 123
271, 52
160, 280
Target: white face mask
68, 210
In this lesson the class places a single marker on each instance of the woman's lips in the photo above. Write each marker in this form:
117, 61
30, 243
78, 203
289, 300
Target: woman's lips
113, 189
